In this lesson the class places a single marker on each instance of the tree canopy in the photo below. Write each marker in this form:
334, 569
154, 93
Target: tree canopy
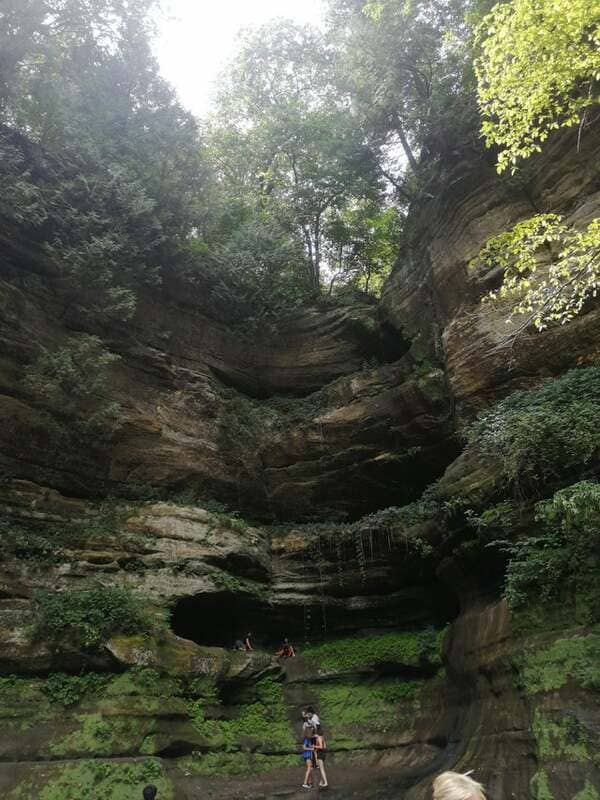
298, 183
539, 70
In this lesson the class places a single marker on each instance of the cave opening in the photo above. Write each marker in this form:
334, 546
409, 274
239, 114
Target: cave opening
219, 619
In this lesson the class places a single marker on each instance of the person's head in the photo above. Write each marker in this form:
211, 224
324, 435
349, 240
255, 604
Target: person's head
285, 641
456, 786
310, 710
150, 792
248, 636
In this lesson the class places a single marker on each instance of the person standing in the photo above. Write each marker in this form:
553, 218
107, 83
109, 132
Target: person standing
248, 643
320, 746
308, 754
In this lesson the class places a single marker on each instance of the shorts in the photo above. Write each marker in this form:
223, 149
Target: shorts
321, 756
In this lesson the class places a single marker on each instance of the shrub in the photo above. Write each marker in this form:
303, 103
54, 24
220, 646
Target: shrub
87, 617
70, 689
565, 555
72, 382
545, 433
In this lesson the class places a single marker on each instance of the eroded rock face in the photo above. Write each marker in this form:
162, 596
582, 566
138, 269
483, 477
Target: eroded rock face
337, 413
436, 300
184, 708
321, 417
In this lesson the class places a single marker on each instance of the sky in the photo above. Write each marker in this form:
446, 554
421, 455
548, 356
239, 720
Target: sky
197, 37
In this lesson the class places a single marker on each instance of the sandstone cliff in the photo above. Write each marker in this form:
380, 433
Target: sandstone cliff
413, 658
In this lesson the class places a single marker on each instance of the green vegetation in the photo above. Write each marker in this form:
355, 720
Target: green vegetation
241, 763
68, 690
537, 72
540, 786
262, 722
564, 738
356, 710
88, 617
576, 658
589, 792
231, 583
72, 382
550, 270
102, 780
563, 558
543, 434
419, 649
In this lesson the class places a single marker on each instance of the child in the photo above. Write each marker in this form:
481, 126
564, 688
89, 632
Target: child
308, 754
320, 746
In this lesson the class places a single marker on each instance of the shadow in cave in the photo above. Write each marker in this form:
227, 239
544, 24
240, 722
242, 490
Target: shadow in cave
217, 620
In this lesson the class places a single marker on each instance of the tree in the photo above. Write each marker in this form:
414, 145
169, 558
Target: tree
72, 382
406, 67
101, 165
284, 135
363, 241
538, 71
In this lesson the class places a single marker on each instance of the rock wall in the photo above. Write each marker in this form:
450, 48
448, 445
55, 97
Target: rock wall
347, 421
405, 645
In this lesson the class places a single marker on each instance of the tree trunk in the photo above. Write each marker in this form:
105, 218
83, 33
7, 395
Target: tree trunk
406, 147
317, 255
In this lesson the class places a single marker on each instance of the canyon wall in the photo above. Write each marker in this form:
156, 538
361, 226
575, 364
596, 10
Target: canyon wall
406, 646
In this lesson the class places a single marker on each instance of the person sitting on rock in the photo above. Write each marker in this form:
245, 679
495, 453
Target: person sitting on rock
149, 792
248, 643
308, 754
286, 650
239, 645
456, 786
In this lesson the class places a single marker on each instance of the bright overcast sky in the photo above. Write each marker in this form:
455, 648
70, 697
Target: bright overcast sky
196, 38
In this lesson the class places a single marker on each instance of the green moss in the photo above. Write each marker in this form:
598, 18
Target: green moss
589, 792
259, 724
564, 739
240, 763
95, 780
94, 737
23, 704
577, 659
410, 649
540, 786
354, 710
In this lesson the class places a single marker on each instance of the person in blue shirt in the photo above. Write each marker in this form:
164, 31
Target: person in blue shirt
308, 754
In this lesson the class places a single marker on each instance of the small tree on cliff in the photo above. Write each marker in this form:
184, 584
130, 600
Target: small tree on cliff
539, 71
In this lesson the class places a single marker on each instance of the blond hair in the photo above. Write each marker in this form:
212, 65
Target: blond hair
455, 786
